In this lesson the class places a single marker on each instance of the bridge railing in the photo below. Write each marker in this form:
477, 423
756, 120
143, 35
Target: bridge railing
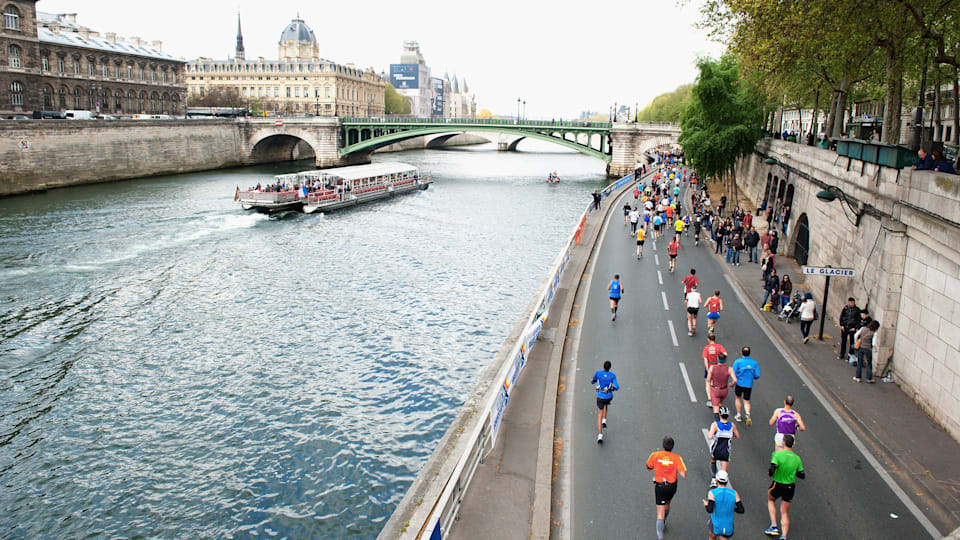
475, 121
483, 436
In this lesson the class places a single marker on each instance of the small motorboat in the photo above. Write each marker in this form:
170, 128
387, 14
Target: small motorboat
553, 178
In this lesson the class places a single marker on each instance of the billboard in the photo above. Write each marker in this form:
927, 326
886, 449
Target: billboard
437, 86
405, 76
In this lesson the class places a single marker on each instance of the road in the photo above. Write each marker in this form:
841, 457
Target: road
842, 496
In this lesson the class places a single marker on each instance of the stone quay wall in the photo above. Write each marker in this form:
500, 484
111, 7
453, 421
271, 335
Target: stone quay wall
38, 155
906, 252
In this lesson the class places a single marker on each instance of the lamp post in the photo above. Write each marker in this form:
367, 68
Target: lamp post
518, 110
524, 115
316, 95
831, 193
636, 112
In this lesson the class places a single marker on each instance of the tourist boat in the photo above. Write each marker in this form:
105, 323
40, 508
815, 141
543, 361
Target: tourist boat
332, 189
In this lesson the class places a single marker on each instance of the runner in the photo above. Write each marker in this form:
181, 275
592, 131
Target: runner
626, 213
672, 248
722, 502
697, 225
690, 281
788, 422
641, 232
747, 370
720, 376
616, 292
678, 227
785, 468
656, 226
692, 299
666, 466
711, 353
606, 383
714, 307
636, 192
722, 433
634, 219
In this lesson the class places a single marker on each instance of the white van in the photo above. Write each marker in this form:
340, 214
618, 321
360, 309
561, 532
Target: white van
78, 115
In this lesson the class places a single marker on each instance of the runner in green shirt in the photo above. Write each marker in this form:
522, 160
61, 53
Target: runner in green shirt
785, 468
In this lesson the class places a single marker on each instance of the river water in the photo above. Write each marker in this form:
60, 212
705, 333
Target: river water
171, 366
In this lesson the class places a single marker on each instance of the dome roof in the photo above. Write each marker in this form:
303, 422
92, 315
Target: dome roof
298, 30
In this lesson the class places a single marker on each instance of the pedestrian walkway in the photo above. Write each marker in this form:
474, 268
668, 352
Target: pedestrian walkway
916, 452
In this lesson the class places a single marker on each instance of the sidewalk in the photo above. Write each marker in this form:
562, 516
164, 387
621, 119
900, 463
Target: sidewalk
915, 451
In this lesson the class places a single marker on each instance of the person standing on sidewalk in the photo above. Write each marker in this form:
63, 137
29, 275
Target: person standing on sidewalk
721, 503
666, 467
723, 204
785, 468
786, 288
737, 245
787, 422
771, 287
747, 370
849, 324
808, 314
774, 241
866, 341
606, 384
750, 242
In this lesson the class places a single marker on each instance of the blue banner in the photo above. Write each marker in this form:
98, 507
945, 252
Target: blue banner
405, 76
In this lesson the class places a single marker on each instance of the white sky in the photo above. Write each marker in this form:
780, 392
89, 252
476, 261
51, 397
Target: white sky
561, 57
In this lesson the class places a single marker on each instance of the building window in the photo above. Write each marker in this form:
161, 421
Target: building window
118, 100
60, 66
173, 77
47, 98
62, 97
141, 74
326, 92
288, 91
276, 91
296, 91
163, 76
16, 94
244, 93
105, 69
11, 18
13, 56
76, 98
116, 72
259, 91
130, 72
45, 64
153, 76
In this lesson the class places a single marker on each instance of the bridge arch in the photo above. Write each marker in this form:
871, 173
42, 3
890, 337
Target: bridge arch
281, 147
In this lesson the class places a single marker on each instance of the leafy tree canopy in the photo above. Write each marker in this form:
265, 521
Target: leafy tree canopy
666, 107
394, 103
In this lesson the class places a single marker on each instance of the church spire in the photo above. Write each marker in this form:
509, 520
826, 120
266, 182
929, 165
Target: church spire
239, 54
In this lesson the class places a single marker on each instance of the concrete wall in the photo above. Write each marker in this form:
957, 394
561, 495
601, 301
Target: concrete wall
906, 252
68, 152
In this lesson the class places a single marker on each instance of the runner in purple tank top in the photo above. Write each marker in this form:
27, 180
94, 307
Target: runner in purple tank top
787, 421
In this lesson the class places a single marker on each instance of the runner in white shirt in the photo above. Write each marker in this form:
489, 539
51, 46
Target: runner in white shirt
634, 218
693, 307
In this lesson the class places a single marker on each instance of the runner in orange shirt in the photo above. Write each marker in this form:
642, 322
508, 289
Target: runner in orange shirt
711, 354
666, 466
672, 248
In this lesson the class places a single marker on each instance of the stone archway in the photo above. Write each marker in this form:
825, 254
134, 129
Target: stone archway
281, 147
801, 241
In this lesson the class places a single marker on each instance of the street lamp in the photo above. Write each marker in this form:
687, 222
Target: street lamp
831, 193
316, 94
518, 110
524, 115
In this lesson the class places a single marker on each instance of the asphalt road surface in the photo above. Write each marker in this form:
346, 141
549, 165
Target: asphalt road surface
842, 496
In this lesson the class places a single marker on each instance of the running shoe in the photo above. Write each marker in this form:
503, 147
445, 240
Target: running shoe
709, 403
713, 483
613, 317
599, 438
738, 418
772, 530
749, 421
604, 422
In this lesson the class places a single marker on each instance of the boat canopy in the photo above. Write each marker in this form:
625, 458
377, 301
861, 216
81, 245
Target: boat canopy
372, 170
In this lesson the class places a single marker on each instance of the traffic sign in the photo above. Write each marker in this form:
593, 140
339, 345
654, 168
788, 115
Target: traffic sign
24, 145
278, 123
828, 271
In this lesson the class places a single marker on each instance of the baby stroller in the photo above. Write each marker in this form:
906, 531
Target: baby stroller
792, 309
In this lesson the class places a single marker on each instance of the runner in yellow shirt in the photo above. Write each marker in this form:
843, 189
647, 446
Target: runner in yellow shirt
640, 236
678, 227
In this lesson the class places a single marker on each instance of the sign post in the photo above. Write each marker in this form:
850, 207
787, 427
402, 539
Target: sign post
828, 272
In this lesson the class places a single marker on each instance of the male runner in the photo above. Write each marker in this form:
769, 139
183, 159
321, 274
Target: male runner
697, 225
616, 292
747, 370
626, 213
722, 433
678, 226
719, 376
634, 219
690, 281
666, 466
641, 232
788, 422
672, 249
606, 383
711, 352
656, 226
785, 468
714, 307
692, 299
722, 502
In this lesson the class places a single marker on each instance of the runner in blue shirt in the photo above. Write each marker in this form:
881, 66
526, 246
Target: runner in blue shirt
746, 369
722, 502
606, 383
616, 292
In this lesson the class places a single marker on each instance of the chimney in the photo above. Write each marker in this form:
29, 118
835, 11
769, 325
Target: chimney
112, 38
54, 27
135, 41
70, 17
157, 44
84, 33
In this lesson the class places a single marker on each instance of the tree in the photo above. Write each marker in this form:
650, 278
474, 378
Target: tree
722, 121
666, 107
394, 103
484, 114
216, 97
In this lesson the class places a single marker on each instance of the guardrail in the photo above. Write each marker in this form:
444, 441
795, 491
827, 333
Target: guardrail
446, 507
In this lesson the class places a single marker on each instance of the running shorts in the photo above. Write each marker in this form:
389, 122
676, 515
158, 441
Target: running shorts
782, 491
742, 391
778, 439
713, 315
616, 299
673, 255
717, 395
639, 242
603, 402
693, 311
721, 454
663, 492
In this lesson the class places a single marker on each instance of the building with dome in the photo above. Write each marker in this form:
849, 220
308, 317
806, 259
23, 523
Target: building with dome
298, 81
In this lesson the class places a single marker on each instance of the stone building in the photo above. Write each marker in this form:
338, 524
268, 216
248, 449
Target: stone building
298, 81
52, 63
459, 101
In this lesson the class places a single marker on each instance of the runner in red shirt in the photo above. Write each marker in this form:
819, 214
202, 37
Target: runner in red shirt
711, 355
714, 307
690, 282
719, 376
672, 249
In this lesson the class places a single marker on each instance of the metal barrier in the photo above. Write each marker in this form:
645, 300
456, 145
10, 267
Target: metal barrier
447, 505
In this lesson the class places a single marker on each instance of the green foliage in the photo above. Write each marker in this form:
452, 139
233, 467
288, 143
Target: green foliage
395, 103
256, 107
667, 107
722, 121
216, 97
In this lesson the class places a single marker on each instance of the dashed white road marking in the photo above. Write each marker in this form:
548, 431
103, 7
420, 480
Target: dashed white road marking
673, 334
664, 296
659, 277
686, 381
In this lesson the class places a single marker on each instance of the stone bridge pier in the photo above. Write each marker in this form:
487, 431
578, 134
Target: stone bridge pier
265, 141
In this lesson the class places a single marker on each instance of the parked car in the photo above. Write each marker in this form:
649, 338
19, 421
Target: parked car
18, 117
48, 115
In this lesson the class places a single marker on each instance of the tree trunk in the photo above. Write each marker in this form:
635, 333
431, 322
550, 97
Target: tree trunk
813, 119
935, 115
891, 111
838, 115
800, 125
955, 136
831, 116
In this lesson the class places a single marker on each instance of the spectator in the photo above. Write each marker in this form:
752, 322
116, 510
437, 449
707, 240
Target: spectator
748, 220
874, 136
768, 263
774, 242
765, 242
786, 218
808, 314
924, 161
786, 289
737, 245
771, 286
751, 241
849, 324
941, 163
866, 341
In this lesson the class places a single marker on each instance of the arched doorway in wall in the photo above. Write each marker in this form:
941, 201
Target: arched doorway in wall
780, 190
771, 196
766, 190
801, 242
788, 204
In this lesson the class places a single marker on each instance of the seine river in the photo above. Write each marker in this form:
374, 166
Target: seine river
171, 366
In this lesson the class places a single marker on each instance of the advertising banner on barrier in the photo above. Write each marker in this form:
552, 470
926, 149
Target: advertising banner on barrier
497, 413
518, 364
